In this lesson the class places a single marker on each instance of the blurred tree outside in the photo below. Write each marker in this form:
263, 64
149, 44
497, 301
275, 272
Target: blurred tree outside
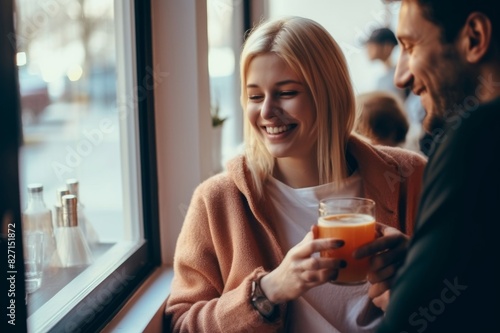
69, 45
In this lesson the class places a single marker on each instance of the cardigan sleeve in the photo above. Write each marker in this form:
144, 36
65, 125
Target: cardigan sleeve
198, 301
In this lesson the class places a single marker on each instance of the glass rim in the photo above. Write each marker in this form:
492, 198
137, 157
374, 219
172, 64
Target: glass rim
332, 203
354, 199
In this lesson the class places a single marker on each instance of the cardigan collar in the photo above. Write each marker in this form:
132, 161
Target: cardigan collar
379, 171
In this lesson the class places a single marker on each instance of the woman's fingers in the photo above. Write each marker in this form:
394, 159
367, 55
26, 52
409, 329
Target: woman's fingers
317, 270
309, 247
334, 275
318, 263
315, 231
315, 278
301, 270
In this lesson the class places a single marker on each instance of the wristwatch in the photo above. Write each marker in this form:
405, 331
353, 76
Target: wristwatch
261, 303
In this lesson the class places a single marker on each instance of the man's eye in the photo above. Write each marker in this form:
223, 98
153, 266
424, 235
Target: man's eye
407, 48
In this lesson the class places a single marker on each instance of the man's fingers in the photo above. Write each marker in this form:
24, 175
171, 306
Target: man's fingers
382, 301
384, 259
379, 245
378, 289
382, 274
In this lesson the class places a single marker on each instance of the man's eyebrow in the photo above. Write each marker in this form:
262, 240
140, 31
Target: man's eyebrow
280, 83
406, 35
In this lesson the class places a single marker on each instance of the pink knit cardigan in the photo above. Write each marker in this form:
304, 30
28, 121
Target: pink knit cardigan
228, 239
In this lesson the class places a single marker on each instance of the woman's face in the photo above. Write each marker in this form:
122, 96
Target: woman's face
280, 108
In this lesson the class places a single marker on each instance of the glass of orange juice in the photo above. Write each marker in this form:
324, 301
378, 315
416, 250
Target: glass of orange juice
353, 221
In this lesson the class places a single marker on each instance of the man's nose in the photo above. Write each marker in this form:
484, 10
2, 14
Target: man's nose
403, 77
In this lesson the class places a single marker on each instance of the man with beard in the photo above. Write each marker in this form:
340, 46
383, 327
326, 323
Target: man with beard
450, 57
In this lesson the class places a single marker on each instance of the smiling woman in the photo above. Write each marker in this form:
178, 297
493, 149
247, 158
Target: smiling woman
280, 109
307, 69
259, 261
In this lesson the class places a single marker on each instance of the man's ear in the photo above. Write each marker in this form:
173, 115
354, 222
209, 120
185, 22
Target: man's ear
476, 37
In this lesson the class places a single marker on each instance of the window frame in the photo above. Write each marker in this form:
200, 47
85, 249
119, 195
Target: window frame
10, 211
143, 261
96, 308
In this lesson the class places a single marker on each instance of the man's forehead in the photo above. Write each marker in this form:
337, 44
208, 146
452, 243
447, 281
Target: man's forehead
411, 20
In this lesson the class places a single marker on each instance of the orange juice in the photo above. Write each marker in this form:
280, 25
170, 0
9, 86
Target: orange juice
355, 230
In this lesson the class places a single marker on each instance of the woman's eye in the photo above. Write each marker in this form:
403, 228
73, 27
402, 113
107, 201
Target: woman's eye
288, 93
254, 97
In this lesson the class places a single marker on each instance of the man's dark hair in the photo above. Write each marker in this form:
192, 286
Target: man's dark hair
450, 15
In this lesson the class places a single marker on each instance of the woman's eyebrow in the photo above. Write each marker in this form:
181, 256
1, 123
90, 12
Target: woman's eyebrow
280, 83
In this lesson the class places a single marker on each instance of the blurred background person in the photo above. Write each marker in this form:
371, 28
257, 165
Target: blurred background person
382, 119
380, 46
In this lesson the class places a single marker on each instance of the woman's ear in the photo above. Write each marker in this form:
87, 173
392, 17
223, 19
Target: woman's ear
476, 37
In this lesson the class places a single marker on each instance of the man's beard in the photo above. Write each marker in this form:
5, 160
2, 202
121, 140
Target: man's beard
449, 104
450, 98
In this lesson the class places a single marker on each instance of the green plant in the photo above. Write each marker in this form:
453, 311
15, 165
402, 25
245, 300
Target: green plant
216, 119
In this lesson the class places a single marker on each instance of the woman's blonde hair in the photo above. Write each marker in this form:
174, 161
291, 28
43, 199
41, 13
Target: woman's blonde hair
317, 59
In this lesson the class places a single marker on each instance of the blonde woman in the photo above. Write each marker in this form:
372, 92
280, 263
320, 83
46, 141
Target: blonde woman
246, 257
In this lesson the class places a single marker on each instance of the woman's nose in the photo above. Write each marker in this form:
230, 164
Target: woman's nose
268, 109
403, 77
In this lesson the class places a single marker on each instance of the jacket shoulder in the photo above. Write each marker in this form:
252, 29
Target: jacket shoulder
230, 182
401, 156
216, 186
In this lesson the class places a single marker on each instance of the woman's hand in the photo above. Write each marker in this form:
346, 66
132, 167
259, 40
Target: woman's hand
299, 271
387, 253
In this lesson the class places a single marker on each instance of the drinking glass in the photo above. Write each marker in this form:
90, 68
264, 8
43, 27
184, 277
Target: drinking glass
33, 259
353, 221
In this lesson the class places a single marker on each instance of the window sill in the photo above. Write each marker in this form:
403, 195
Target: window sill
143, 312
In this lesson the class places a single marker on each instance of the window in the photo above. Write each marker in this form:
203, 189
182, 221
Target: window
225, 37
350, 27
86, 83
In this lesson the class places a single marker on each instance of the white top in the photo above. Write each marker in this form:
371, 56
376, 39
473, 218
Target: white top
326, 308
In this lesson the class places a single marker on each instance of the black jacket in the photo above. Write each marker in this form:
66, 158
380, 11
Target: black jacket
448, 281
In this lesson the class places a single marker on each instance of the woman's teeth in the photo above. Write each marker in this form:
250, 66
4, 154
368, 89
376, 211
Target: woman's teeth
277, 130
